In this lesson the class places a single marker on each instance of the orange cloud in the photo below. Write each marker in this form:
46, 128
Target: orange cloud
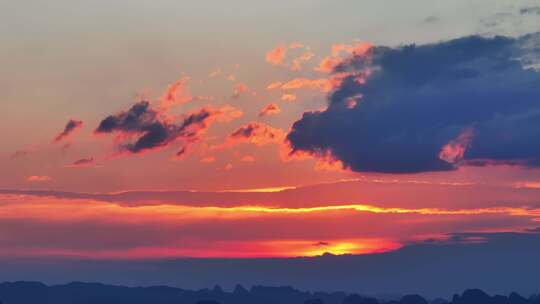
269, 109
324, 85
38, 178
298, 61
238, 89
276, 55
328, 64
288, 97
215, 73
208, 159
528, 184
274, 85
323, 160
339, 53
176, 94
320, 84
248, 158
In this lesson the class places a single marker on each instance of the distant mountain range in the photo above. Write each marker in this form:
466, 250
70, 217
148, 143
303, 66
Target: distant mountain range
96, 293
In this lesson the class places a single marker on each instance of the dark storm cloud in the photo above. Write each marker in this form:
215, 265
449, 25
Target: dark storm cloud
151, 131
140, 119
431, 107
71, 126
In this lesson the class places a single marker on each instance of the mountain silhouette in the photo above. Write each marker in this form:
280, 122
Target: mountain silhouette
96, 293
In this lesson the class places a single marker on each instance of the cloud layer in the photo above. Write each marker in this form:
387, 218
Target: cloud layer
36, 226
430, 107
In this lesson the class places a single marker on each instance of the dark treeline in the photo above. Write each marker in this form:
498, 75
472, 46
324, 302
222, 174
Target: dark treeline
95, 293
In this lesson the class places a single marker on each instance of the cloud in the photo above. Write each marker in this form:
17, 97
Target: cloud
238, 89
534, 10
198, 231
269, 109
257, 133
83, 162
247, 158
321, 243
215, 73
274, 85
70, 127
454, 151
38, 178
207, 159
377, 273
277, 55
288, 97
415, 102
339, 53
143, 123
176, 94
321, 84
432, 19
297, 62
19, 154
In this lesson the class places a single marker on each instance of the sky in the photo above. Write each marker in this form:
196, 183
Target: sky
138, 131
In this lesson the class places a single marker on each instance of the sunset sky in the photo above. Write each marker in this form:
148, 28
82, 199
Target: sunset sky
249, 129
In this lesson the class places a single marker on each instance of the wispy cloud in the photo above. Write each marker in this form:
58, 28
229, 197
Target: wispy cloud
70, 127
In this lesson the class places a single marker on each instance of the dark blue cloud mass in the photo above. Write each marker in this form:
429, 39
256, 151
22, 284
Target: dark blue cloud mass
473, 100
152, 131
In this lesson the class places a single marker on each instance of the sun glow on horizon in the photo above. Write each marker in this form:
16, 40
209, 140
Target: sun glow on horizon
166, 230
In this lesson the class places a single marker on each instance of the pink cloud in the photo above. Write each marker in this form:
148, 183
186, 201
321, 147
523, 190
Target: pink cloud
208, 159
176, 94
83, 162
453, 151
70, 127
236, 231
247, 158
38, 178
